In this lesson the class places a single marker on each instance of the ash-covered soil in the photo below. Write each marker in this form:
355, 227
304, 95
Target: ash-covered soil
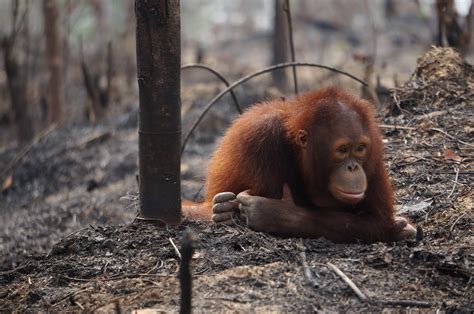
68, 241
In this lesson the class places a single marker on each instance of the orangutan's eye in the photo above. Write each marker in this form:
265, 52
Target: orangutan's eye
361, 148
343, 149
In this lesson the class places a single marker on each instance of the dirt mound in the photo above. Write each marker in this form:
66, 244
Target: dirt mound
442, 78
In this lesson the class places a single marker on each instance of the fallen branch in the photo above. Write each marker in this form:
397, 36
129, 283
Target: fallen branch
362, 297
403, 303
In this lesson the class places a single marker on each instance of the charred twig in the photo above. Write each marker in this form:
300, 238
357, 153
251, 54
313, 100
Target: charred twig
292, 45
27, 148
419, 232
185, 276
362, 297
222, 78
389, 126
250, 76
11, 271
307, 270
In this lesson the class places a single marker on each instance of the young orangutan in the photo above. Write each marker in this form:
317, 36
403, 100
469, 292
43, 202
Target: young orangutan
307, 167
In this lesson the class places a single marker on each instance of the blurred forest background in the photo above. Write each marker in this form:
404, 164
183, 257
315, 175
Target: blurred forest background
74, 60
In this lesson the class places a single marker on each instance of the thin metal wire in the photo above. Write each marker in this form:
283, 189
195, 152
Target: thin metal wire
220, 76
250, 76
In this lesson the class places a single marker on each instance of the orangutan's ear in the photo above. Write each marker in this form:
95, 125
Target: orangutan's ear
302, 138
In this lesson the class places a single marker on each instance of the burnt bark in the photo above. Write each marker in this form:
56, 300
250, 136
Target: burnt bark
55, 62
158, 64
280, 45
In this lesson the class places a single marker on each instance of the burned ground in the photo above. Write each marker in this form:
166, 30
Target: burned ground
68, 241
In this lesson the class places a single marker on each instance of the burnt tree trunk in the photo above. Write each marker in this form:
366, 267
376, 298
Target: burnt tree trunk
17, 86
159, 127
450, 32
280, 45
55, 62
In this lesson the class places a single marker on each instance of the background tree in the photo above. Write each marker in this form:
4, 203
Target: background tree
16, 73
281, 52
54, 57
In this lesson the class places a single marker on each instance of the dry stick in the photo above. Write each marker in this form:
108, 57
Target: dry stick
250, 76
175, 248
450, 136
390, 126
292, 45
456, 221
362, 297
455, 183
307, 270
220, 76
27, 148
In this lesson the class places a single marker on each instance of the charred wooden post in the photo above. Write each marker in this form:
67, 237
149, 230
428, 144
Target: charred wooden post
158, 64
